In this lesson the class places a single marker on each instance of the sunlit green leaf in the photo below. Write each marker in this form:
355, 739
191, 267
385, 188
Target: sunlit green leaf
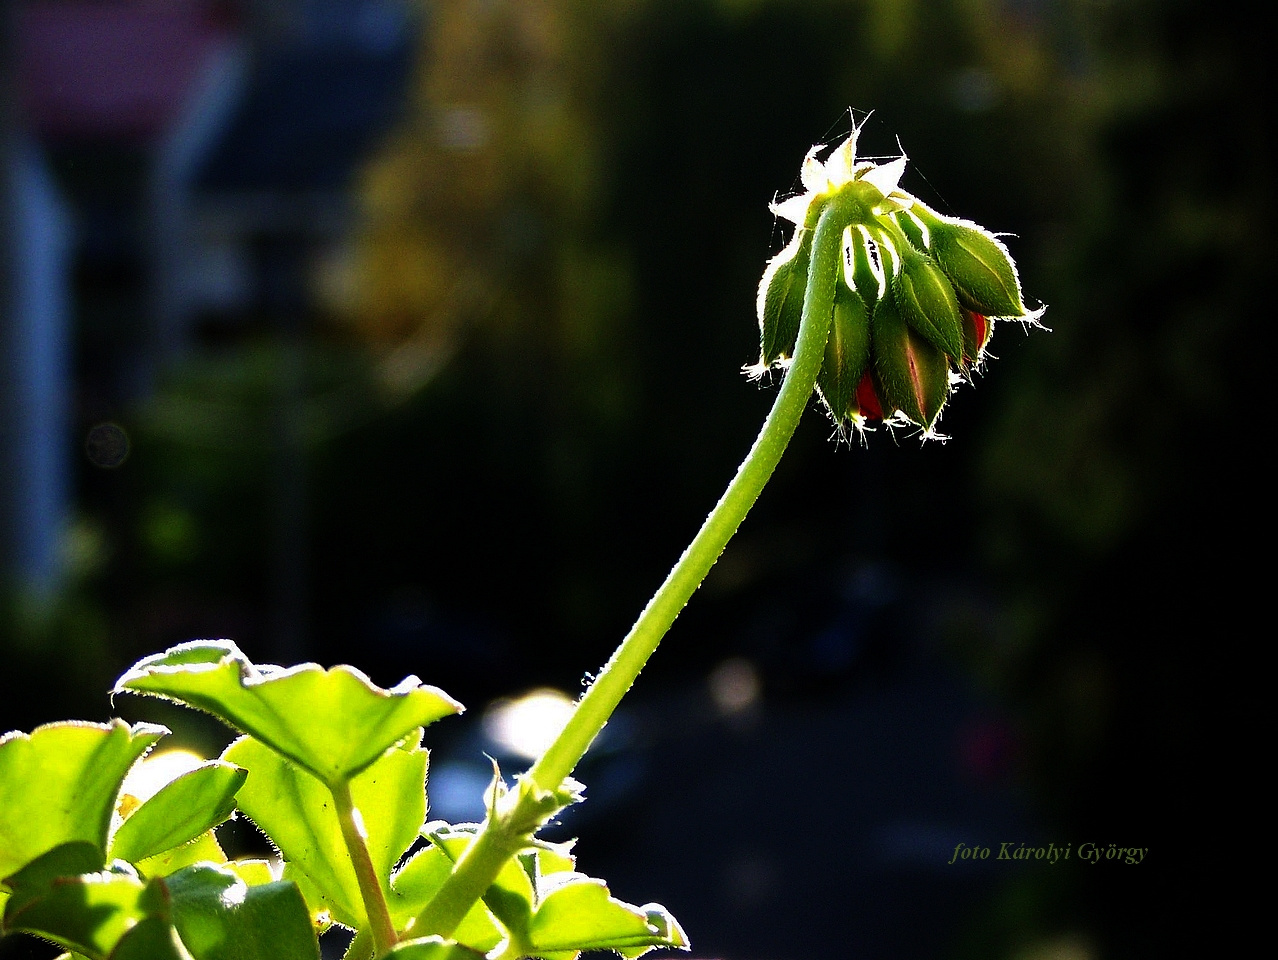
60, 782
333, 722
252, 872
36, 878
418, 881
576, 912
203, 849
433, 948
152, 939
179, 812
88, 912
220, 917
296, 811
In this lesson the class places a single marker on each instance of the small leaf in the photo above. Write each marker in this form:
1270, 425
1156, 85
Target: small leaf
333, 723
60, 782
203, 849
253, 872
296, 811
179, 812
220, 917
433, 948
578, 913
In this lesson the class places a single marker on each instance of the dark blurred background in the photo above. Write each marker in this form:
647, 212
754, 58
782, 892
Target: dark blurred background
408, 334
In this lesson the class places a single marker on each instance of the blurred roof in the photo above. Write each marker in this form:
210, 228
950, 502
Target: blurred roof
117, 70
309, 117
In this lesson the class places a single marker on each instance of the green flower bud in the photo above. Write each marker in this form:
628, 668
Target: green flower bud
913, 375
982, 271
780, 304
847, 352
913, 297
781, 292
927, 302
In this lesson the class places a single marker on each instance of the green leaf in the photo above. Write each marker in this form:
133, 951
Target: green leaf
60, 782
433, 948
417, 882
577, 912
152, 939
296, 811
252, 872
179, 812
333, 723
203, 849
87, 913
36, 878
220, 917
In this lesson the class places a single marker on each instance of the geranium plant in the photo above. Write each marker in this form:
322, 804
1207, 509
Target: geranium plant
879, 304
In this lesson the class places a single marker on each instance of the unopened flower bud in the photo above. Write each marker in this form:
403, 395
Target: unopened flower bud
927, 302
912, 374
982, 271
913, 298
780, 303
847, 352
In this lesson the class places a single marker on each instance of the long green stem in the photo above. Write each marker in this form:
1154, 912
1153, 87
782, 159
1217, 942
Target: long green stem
383, 929
482, 861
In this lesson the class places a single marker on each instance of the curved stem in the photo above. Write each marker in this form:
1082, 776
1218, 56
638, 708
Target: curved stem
370, 889
480, 864
701, 554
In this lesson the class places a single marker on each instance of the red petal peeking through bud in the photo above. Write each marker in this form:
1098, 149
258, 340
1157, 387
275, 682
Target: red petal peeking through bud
976, 334
867, 400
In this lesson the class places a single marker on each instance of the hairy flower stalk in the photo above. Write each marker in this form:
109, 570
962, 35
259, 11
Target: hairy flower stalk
879, 305
914, 302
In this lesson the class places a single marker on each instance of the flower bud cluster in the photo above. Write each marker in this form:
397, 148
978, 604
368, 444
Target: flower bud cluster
915, 296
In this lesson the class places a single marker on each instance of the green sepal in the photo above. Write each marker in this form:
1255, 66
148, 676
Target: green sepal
179, 811
60, 783
925, 300
780, 301
847, 351
864, 278
910, 227
911, 374
333, 722
980, 267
